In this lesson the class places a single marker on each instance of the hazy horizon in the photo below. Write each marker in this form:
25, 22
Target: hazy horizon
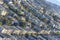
55, 1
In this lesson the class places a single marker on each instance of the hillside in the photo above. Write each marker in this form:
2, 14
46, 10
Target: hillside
29, 20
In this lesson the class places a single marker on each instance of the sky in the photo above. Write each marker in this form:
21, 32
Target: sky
55, 1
